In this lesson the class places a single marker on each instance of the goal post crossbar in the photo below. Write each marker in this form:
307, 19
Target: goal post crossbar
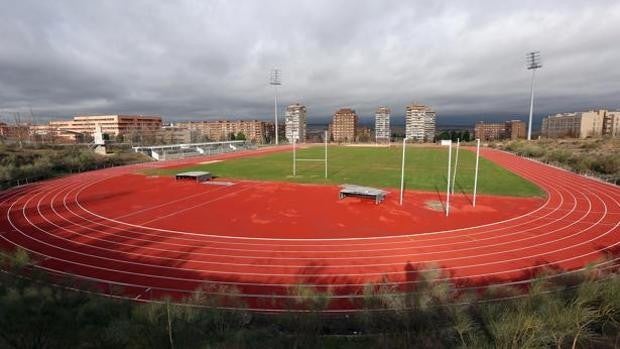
295, 159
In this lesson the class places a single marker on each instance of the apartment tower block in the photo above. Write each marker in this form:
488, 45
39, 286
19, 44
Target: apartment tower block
382, 125
420, 123
343, 127
295, 122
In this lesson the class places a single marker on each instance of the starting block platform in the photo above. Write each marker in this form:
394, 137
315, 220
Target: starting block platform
364, 192
198, 176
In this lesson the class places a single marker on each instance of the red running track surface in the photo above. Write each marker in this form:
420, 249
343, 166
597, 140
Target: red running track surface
155, 236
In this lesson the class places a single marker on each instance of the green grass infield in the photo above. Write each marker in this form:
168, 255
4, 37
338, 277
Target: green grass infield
425, 169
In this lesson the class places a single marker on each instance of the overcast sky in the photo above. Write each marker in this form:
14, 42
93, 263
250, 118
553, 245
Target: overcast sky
196, 59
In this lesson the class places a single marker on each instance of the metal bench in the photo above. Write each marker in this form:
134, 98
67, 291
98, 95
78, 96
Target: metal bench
198, 176
363, 192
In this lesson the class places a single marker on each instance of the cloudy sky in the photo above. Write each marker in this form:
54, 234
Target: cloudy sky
196, 59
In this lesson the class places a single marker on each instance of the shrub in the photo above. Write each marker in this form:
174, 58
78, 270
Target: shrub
560, 156
35, 162
606, 164
531, 150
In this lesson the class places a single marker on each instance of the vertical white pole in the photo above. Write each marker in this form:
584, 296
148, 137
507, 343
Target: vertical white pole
325, 154
456, 163
476, 174
529, 125
402, 173
294, 158
449, 173
275, 111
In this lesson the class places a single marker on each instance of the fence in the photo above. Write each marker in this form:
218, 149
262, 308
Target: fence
181, 151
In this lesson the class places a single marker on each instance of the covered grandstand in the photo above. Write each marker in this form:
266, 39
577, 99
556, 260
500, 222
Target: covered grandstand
179, 151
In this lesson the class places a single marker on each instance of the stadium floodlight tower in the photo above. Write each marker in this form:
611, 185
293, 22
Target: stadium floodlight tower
533, 63
275, 81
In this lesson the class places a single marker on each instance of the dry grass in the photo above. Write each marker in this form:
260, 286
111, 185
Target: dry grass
595, 157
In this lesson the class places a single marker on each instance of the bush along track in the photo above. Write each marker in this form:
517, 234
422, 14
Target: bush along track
583, 310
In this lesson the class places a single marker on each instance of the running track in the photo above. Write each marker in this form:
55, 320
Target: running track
577, 224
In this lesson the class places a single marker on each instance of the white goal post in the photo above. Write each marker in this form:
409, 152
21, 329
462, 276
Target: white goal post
295, 159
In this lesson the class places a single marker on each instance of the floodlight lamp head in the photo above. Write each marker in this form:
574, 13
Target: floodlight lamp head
533, 60
275, 77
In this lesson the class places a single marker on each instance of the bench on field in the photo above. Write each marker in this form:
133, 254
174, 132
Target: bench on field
198, 176
363, 192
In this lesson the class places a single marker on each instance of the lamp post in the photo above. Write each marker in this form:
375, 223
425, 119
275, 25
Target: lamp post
476, 173
402, 172
533, 63
275, 81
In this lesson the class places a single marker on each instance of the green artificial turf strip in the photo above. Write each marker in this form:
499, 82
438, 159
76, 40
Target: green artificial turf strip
425, 169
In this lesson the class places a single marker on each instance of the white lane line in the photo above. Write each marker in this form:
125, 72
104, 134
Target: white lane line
26, 204
450, 244
232, 193
217, 190
298, 240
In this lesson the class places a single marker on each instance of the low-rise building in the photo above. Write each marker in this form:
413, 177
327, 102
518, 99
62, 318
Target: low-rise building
173, 135
364, 134
222, 130
593, 123
19, 132
491, 131
515, 129
611, 124
112, 125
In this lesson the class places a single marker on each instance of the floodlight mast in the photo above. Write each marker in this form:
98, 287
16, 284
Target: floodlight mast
533, 63
448, 181
402, 172
275, 81
476, 173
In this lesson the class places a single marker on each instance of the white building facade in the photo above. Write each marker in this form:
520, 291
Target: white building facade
295, 122
382, 125
420, 123
592, 123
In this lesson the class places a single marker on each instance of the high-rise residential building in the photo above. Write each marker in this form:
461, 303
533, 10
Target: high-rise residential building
221, 130
343, 127
382, 125
593, 123
491, 131
295, 122
420, 123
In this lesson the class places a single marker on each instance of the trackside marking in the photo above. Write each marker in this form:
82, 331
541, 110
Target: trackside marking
578, 226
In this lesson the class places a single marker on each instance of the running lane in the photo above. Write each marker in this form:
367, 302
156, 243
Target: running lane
576, 224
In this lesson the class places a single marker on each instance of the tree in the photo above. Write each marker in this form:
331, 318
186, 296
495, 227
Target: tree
466, 136
231, 136
240, 136
453, 135
444, 135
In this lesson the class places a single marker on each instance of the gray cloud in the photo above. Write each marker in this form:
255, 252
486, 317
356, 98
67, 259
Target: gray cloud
190, 59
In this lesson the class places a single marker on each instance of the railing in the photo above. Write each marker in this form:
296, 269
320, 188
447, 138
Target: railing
185, 150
